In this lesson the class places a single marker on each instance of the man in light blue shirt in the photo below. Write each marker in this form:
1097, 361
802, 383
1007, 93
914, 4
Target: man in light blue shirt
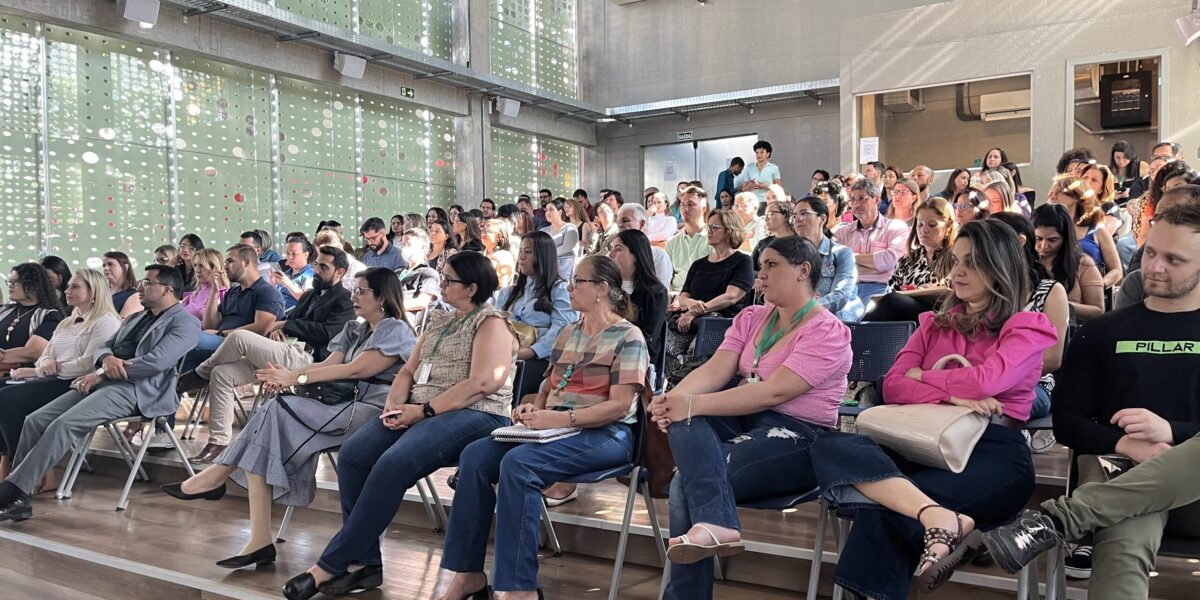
761, 174
379, 252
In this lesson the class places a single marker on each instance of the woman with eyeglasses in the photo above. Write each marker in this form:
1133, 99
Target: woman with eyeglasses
315, 408
455, 389
68, 354
904, 196
837, 289
754, 228
165, 255
716, 285
598, 368
189, 245
606, 229
921, 279
538, 303
779, 225
30, 318
969, 205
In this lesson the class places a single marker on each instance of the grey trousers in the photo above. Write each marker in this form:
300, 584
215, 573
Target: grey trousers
1127, 517
49, 432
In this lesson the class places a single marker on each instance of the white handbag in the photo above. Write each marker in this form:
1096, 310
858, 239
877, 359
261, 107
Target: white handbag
935, 435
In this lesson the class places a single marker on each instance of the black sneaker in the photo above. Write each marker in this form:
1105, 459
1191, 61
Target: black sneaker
1079, 563
1018, 543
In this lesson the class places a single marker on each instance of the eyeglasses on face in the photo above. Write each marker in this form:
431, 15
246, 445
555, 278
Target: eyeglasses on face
575, 281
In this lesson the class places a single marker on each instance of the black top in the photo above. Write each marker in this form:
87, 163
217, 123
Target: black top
126, 347
119, 297
188, 274
651, 314
318, 317
20, 334
472, 246
707, 280
1129, 358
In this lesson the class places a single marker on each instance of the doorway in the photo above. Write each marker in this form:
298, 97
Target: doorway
664, 166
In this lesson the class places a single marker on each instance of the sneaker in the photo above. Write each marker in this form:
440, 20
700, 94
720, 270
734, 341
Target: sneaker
1015, 545
1079, 563
158, 441
1042, 440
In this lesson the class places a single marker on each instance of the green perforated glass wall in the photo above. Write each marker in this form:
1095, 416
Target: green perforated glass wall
523, 164
533, 41
112, 145
420, 25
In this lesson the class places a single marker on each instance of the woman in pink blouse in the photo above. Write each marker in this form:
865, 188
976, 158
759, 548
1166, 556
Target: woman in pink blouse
899, 502
752, 441
211, 283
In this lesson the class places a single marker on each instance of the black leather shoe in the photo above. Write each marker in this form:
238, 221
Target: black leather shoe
260, 557
352, 582
176, 489
18, 510
300, 587
190, 381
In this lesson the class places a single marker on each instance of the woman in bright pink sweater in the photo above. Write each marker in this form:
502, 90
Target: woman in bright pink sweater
898, 502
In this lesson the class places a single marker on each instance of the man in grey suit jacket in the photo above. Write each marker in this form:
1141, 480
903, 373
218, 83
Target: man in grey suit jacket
137, 374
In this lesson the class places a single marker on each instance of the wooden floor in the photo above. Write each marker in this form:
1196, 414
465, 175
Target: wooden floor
180, 541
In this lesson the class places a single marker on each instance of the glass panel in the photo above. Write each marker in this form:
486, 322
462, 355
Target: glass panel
20, 85
665, 166
333, 12
523, 164
314, 195
714, 156
419, 25
534, 42
316, 125
559, 168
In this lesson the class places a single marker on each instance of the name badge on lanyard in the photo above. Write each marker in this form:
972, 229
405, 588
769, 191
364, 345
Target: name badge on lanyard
423, 372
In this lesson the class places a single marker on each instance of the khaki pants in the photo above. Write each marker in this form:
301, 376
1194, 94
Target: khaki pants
233, 364
1127, 517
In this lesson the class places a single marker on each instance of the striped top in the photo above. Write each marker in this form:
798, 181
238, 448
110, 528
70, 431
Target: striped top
614, 356
74, 348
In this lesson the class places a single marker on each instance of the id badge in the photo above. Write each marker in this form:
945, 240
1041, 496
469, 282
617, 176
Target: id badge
423, 373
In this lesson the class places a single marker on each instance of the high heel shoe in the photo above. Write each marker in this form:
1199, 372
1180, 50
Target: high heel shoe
176, 490
260, 557
300, 587
352, 582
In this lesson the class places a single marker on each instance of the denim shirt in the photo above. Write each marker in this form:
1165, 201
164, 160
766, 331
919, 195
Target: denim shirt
547, 325
838, 288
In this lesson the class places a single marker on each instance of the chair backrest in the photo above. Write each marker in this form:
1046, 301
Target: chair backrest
875, 345
660, 361
710, 332
518, 382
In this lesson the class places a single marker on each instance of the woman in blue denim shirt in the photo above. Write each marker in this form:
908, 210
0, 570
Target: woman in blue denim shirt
537, 298
838, 289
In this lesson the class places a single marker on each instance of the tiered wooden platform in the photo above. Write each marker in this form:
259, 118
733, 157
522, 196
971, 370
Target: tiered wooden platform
163, 548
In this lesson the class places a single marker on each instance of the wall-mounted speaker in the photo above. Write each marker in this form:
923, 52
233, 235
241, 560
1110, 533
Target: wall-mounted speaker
349, 65
508, 107
142, 11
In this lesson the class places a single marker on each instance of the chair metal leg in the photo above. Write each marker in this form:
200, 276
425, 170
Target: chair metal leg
193, 416
551, 536
437, 502
161, 423
87, 444
841, 529
427, 504
78, 450
660, 541
814, 570
137, 466
666, 579
623, 539
718, 572
122, 444
1056, 574
283, 525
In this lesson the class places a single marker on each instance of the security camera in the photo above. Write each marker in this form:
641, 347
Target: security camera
1189, 27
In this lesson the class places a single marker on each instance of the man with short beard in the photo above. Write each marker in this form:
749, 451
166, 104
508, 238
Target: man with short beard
1129, 385
379, 252
319, 315
923, 176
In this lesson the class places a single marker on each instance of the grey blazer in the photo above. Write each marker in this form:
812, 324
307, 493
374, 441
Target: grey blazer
153, 370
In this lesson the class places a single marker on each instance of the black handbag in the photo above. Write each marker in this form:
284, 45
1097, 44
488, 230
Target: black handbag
329, 392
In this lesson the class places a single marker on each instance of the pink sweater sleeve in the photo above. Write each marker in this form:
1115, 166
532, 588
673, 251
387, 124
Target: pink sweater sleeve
899, 388
1018, 350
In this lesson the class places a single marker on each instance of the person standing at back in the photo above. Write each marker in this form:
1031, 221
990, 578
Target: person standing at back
727, 178
760, 175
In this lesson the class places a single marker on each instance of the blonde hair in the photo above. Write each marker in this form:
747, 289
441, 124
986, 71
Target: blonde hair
328, 237
211, 259
777, 190
732, 224
1087, 205
945, 212
1006, 194
102, 303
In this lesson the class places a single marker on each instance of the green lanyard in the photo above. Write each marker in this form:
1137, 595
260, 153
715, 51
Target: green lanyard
771, 337
455, 327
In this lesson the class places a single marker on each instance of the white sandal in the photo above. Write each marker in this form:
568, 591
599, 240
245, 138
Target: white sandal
685, 552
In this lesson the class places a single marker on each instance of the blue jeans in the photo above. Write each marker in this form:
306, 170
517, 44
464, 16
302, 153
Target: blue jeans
375, 467
1041, 402
866, 289
883, 547
724, 460
206, 344
520, 471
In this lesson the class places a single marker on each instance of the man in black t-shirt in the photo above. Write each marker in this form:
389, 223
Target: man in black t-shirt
1130, 384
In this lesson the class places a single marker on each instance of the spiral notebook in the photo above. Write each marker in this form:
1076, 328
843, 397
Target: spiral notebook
520, 434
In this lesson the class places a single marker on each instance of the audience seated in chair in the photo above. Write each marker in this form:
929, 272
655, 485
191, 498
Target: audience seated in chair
251, 303
123, 282
893, 497
29, 319
138, 369
877, 241
421, 283
211, 284
598, 367
276, 454
69, 354
921, 279
634, 216
296, 276
837, 289
317, 318
456, 389
691, 242
752, 441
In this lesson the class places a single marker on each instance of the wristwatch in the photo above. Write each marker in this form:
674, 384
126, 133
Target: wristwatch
302, 379
427, 410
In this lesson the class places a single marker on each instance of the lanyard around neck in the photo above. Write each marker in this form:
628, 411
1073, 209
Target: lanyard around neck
771, 336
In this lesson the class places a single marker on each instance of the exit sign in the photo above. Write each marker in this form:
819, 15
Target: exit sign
684, 136
408, 92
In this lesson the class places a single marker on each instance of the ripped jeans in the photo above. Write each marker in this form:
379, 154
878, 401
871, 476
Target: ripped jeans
725, 460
